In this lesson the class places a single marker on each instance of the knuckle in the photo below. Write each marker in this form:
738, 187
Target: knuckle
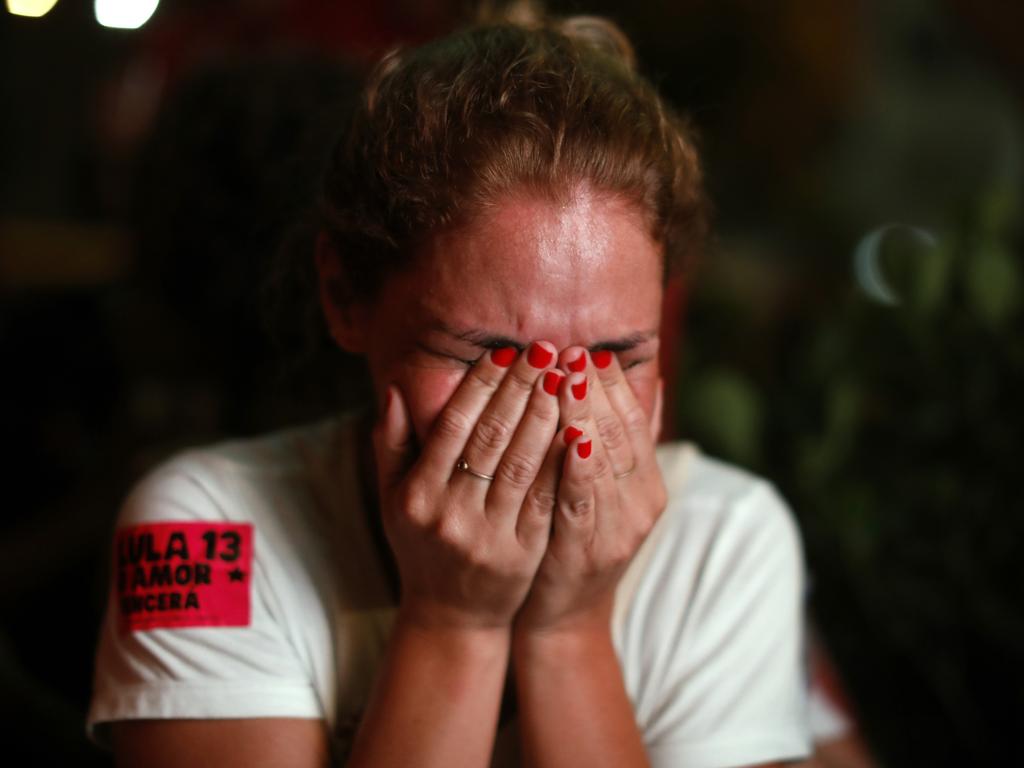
414, 503
486, 378
478, 556
450, 532
410, 505
622, 551
619, 549
600, 466
520, 380
640, 533
518, 470
542, 407
612, 381
492, 431
634, 419
644, 524
542, 498
452, 423
610, 429
579, 507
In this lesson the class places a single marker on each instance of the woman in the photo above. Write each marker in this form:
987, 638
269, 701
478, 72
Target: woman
552, 590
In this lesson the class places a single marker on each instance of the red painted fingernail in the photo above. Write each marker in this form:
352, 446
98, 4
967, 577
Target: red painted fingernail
503, 356
571, 433
602, 358
579, 363
579, 391
553, 382
583, 449
539, 357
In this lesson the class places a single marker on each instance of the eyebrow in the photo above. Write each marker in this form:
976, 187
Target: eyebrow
485, 340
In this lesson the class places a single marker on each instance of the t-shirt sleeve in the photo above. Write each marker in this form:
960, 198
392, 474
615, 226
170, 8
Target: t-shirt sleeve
193, 627
728, 677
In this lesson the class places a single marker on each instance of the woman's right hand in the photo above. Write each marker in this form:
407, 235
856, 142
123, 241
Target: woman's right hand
467, 548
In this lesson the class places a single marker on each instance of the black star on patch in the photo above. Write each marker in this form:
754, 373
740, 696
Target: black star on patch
236, 575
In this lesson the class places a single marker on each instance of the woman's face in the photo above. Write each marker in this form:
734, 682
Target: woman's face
586, 273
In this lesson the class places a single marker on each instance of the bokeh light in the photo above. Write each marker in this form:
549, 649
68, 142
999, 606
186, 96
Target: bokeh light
33, 8
125, 14
868, 262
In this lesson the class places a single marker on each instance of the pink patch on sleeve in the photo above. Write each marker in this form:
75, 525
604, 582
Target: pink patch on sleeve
183, 575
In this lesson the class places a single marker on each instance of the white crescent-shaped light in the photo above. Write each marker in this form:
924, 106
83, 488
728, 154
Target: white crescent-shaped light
866, 266
32, 8
124, 14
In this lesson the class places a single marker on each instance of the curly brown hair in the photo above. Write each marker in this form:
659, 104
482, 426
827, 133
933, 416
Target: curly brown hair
519, 103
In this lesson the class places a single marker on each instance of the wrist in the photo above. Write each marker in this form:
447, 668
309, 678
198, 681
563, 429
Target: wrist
459, 664
562, 645
452, 637
463, 667
580, 627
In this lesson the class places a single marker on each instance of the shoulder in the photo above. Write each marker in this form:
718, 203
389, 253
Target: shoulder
710, 614
267, 503
225, 482
725, 540
721, 499
221, 596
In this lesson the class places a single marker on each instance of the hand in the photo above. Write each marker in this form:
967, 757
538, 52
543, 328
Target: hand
467, 549
610, 494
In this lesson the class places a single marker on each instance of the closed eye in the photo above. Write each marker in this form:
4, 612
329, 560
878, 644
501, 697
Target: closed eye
634, 363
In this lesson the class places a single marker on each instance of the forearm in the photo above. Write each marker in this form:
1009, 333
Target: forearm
436, 699
573, 707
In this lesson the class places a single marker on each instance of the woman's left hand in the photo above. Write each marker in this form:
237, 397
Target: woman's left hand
610, 495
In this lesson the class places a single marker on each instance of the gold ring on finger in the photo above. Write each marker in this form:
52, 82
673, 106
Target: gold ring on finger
463, 466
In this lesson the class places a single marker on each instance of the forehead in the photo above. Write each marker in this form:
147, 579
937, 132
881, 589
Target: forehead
535, 268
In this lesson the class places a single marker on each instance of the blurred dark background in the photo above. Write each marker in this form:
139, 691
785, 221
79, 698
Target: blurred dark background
855, 332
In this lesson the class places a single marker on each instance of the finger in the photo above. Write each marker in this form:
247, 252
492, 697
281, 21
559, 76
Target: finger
392, 439
574, 404
521, 462
533, 525
658, 412
631, 415
591, 462
575, 520
455, 422
500, 417
617, 443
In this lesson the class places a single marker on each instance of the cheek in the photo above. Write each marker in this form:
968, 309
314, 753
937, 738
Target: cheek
426, 393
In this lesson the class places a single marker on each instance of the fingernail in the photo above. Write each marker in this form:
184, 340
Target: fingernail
503, 356
579, 391
602, 358
539, 357
552, 382
571, 433
583, 449
579, 363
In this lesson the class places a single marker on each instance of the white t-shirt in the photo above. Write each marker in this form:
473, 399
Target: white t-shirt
706, 626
